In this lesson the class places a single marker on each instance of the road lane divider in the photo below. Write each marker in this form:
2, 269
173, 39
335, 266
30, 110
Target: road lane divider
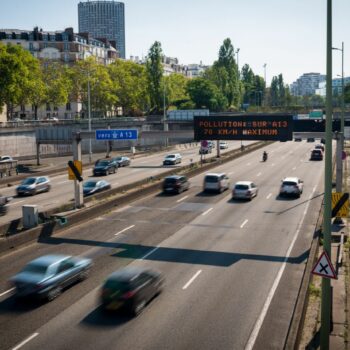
192, 279
7, 291
259, 174
181, 199
244, 223
125, 229
260, 320
149, 253
25, 341
207, 211
269, 196
294, 168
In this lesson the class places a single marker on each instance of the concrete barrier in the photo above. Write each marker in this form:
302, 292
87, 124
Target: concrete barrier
110, 200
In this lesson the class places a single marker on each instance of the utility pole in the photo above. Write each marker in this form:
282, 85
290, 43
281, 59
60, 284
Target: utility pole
326, 284
89, 116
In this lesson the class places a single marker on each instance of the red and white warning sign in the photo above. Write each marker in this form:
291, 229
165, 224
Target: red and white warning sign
324, 267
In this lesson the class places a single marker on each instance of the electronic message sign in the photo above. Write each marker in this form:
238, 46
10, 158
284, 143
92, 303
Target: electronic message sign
275, 127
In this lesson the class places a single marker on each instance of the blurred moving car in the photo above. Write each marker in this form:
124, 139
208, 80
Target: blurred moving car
104, 167
323, 141
310, 139
244, 190
131, 289
320, 146
316, 154
223, 145
216, 182
6, 159
172, 159
94, 186
47, 276
297, 139
121, 161
33, 185
175, 183
291, 186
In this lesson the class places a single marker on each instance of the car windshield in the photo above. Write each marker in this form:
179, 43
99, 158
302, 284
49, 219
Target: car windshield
90, 184
289, 183
211, 178
241, 187
118, 159
29, 181
170, 156
103, 163
316, 151
35, 268
117, 285
170, 181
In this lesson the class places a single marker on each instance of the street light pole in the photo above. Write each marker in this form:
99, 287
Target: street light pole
326, 284
89, 116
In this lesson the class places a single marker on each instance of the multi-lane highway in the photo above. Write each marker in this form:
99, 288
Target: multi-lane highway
232, 268
62, 188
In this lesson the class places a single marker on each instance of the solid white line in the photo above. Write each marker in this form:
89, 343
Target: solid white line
269, 195
127, 228
192, 279
260, 320
258, 175
25, 341
181, 199
8, 291
244, 222
207, 211
294, 168
149, 253
14, 203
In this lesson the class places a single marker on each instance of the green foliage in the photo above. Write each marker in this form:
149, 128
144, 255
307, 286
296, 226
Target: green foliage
129, 82
174, 86
154, 71
19, 72
279, 93
314, 291
205, 94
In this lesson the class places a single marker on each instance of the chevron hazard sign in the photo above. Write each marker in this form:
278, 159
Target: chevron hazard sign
340, 204
324, 267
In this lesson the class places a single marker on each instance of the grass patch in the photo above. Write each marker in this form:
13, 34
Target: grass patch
314, 291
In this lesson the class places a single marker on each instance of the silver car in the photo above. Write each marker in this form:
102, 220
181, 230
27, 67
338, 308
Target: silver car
33, 185
47, 276
244, 190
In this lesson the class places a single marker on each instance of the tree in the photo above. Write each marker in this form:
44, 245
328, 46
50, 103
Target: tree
129, 85
19, 76
154, 71
205, 94
175, 89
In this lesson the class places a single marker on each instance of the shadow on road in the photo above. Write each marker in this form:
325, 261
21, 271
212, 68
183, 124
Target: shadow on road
176, 255
102, 318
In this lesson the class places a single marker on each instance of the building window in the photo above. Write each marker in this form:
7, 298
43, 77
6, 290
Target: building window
23, 108
52, 38
55, 108
66, 46
66, 57
68, 107
48, 108
65, 36
31, 46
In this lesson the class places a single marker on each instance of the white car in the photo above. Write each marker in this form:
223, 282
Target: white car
244, 190
291, 186
216, 182
172, 159
6, 159
223, 145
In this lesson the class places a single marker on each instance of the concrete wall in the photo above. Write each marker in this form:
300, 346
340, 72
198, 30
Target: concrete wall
3, 117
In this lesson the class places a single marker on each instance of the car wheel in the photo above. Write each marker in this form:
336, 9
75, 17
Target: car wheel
139, 307
48, 188
83, 275
54, 293
33, 193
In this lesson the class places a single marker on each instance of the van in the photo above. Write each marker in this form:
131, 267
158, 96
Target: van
216, 182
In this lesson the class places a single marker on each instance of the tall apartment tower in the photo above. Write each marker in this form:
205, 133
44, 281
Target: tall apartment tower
104, 19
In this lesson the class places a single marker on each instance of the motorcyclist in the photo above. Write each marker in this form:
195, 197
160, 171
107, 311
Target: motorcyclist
264, 156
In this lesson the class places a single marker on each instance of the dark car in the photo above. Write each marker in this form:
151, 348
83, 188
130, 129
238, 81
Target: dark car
131, 289
47, 276
297, 139
310, 139
121, 161
323, 141
320, 146
33, 185
105, 167
175, 184
316, 154
94, 186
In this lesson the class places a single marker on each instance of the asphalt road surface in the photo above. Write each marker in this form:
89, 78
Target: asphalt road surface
62, 189
232, 268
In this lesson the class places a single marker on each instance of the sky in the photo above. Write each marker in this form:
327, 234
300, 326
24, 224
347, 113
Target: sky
288, 35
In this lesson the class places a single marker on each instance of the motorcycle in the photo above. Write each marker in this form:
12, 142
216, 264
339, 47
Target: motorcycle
264, 157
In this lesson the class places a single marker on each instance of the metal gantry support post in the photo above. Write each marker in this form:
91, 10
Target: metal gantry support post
218, 148
78, 187
38, 153
326, 283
